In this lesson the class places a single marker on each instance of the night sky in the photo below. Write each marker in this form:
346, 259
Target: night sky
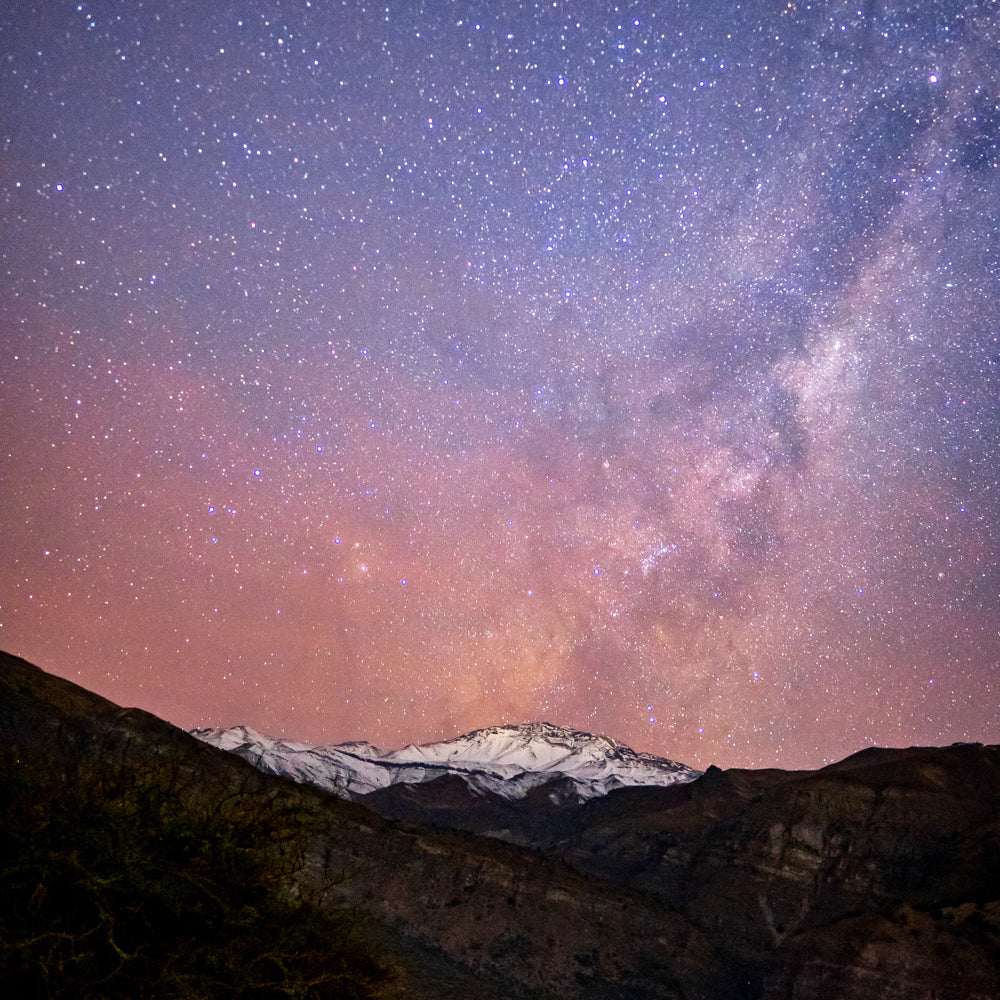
386, 371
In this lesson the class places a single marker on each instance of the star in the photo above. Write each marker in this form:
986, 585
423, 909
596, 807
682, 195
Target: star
413, 373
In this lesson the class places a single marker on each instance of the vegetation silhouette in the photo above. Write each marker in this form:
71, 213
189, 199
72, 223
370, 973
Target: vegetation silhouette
116, 882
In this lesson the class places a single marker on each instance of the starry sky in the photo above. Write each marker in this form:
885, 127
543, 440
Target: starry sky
387, 370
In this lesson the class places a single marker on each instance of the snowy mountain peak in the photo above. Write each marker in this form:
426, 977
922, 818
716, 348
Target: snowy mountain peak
530, 747
546, 732
505, 761
540, 729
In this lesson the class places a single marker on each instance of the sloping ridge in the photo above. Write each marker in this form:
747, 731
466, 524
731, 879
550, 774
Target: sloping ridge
502, 762
455, 916
877, 878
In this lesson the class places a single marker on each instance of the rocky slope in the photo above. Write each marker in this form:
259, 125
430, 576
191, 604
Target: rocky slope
876, 877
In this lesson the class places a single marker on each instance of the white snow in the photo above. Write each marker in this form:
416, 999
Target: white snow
505, 760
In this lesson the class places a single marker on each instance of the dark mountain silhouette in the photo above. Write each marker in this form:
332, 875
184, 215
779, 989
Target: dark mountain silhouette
140, 861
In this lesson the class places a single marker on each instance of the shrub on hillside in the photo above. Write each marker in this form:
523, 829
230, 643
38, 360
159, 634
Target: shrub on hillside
115, 886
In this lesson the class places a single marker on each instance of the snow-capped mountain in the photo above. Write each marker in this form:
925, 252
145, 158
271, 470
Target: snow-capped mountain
504, 761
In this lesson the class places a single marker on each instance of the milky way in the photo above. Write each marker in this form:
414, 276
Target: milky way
385, 372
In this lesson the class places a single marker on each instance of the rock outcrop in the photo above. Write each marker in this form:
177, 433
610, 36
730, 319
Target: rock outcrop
877, 876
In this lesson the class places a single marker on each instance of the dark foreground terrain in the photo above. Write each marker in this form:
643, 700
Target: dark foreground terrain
136, 861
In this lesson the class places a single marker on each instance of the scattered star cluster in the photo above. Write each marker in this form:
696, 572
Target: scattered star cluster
385, 370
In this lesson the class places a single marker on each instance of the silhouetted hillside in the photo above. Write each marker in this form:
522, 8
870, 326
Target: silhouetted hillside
129, 870
139, 861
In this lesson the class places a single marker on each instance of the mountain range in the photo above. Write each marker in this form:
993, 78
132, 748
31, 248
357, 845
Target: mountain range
505, 761
875, 877
519, 783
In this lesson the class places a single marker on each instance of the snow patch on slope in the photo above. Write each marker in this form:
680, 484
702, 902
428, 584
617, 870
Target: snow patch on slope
507, 761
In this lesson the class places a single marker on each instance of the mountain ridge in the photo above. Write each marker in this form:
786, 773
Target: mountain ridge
876, 878
506, 761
